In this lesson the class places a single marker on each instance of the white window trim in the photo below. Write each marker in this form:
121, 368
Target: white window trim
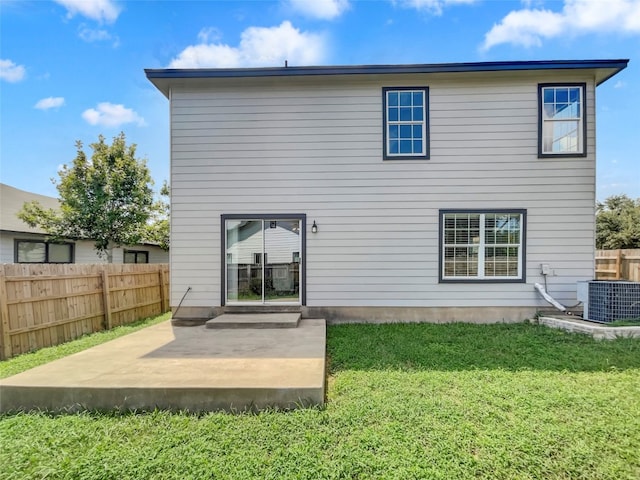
481, 246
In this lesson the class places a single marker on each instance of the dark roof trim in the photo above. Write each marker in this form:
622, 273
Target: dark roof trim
170, 73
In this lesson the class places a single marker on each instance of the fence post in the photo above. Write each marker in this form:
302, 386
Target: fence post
618, 264
5, 338
163, 300
106, 300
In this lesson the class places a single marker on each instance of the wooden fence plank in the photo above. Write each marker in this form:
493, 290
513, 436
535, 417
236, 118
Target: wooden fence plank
42, 278
5, 338
53, 297
161, 288
108, 324
52, 324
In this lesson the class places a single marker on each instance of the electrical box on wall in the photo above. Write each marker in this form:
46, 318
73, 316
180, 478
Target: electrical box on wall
545, 269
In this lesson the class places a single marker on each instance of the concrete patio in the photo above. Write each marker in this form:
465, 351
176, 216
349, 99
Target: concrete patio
182, 368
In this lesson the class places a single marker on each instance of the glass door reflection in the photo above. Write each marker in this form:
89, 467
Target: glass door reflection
244, 261
263, 261
282, 261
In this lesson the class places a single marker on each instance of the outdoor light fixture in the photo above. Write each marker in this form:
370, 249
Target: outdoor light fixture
314, 227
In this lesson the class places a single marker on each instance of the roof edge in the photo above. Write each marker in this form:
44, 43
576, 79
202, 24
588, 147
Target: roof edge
173, 73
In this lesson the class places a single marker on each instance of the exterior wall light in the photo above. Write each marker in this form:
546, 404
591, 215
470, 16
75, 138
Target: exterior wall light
314, 227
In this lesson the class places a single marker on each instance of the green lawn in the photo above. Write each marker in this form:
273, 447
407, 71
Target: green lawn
405, 402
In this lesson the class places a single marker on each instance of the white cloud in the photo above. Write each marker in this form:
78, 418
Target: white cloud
11, 72
93, 35
99, 10
50, 102
433, 7
111, 115
97, 35
209, 34
322, 9
532, 3
529, 27
259, 47
525, 27
620, 84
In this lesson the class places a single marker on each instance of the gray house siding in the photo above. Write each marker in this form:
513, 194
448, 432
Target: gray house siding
314, 145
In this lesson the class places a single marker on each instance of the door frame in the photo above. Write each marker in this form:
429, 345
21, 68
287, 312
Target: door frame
302, 217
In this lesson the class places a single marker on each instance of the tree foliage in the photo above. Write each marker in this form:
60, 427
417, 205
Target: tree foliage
157, 230
108, 198
618, 223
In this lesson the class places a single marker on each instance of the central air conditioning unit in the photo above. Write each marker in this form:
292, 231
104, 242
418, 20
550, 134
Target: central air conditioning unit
607, 301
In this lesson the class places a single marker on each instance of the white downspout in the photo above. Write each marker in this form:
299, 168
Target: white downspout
549, 298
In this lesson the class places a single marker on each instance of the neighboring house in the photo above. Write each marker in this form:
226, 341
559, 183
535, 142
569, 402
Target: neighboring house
415, 192
20, 243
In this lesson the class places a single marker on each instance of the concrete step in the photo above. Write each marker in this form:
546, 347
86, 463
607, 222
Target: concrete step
255, 320
270, 308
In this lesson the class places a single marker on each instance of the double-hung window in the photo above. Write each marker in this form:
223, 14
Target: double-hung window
562, 125
405, 118
482, 245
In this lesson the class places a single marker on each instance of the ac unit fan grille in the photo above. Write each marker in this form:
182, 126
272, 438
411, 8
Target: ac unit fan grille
611, 301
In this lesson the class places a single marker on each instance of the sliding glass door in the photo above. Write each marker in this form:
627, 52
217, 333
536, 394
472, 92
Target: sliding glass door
263, 260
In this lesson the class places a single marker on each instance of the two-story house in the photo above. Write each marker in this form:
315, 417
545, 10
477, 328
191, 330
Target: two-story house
383, 193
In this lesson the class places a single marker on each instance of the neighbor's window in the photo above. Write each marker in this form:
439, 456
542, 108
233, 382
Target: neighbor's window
136, 256
405, 122
257, 258
36, 251
562, 120
482, 245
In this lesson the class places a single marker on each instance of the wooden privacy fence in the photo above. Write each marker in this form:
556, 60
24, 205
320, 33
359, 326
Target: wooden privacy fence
618, 264
45, 304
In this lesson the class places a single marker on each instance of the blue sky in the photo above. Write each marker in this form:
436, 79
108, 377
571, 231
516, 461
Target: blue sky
73, 69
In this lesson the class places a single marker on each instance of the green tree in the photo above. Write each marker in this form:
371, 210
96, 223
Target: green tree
157, 230
108, 199
618, 223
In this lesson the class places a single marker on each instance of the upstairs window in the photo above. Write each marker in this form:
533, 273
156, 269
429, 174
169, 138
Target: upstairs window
562, 126
405, 118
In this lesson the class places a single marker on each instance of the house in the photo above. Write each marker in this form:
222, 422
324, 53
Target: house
20, 243
433, 192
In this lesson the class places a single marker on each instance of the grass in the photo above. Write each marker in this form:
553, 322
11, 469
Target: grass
629, 322
26, 361
412, 401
